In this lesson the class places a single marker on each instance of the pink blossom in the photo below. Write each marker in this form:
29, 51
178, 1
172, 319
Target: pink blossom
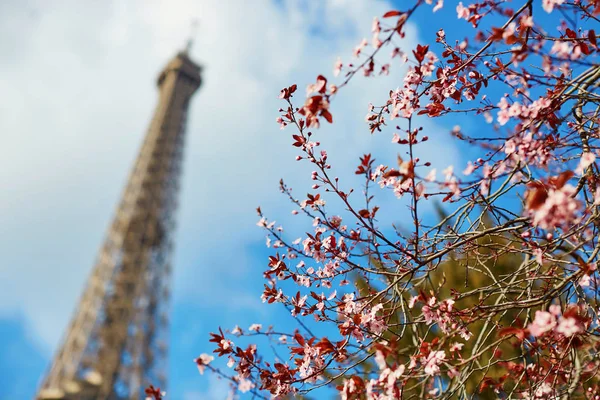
255, 327
587, 159
412, 301
337, 68
526, 21
431, 175
452, 373
405, 100
236, 331
584, 281
318, 87
569, 327
544, 391
349, 388
245, 385
303, 280
203, 361
548, 5
399, 53
380, 360
555, 310
470, 168
375, 26
448, 172
262, 222
440, 314
298, 304
372, 322
562, 49
462, 11
527, 149
543, 322
539, 255
281, 122
377, 43
509, 31
428, 65
433, 361
358, 49
559, 209
515, 110
510, 147
419, 190
484, 186
456, 346
503, 114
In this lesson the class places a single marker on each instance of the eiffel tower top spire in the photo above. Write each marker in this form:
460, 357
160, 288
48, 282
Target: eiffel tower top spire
190, 41
116, 342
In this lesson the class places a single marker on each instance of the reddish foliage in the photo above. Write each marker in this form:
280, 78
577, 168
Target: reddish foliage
498, 297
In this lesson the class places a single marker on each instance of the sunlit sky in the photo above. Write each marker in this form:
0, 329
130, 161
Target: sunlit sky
77, 93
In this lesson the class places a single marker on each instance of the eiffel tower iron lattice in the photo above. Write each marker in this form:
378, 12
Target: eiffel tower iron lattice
116, 343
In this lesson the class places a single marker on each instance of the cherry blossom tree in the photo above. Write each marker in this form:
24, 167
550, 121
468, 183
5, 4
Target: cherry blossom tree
493, 296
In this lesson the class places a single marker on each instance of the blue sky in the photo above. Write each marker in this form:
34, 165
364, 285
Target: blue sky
78, 94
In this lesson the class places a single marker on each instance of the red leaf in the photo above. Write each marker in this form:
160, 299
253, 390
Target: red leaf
518, 332
496, 34
592, 37
536, 196
299, 339
392, 14
584, 48
420, 52
299, 140
487, 382
366, 159
433, 109
560, 180
512, 39
392, 173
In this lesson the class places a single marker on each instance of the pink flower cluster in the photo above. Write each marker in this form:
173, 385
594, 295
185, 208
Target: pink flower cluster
360, 320
549, 5
440, 313
528, 150
203, 361
405, 101
552, 322
385, 386
523, 112
559, 210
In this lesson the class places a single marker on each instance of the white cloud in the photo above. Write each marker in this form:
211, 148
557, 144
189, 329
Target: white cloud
78, 93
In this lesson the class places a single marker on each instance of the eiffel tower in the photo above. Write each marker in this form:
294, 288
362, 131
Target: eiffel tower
116, 342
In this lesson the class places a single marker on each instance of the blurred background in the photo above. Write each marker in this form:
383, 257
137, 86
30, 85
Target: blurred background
76, 96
